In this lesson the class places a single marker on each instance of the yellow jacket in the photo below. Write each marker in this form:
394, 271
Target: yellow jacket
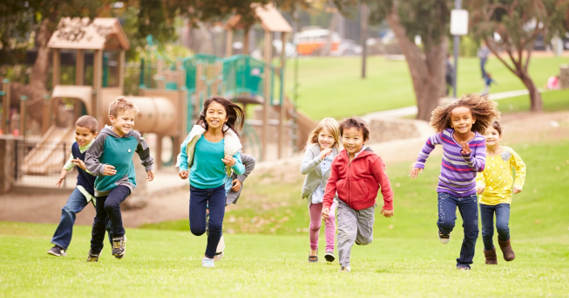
498, 177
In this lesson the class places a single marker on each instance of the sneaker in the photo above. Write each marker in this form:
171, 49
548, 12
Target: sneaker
208, 263
57, 251
345, 269
462, 267
220, 246
218, 256
329, 256
119, 247
92, 257
444, 238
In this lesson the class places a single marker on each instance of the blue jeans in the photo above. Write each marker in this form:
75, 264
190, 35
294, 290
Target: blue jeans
108, 208
199, 201
502, 219
64, 231
482, 64
468, 207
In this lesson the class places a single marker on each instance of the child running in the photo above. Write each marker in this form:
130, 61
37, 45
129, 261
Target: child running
86, 129
459, 129
321, 149
110, 158
357, 173
211, 153
495, 186
233, 187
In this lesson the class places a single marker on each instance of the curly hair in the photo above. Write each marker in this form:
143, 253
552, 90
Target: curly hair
483, 109
331, 125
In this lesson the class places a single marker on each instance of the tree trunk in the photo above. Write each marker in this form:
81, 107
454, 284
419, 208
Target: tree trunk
427, 69
534, 95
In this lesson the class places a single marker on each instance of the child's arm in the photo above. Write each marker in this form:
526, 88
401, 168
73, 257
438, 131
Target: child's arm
520, 167
480, 183
235, 163
424, 154
330, 191
378, 170
92, 159
68, 166
182, 160
145, 159
475, 154
309, 162
249, 163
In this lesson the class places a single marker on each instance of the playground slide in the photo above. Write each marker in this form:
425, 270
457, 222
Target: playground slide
49, 155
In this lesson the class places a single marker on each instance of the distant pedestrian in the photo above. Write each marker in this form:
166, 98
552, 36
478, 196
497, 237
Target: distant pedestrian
488, 81
449, 74
483, 53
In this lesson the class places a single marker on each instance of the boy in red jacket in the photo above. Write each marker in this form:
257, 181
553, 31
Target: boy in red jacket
357, 174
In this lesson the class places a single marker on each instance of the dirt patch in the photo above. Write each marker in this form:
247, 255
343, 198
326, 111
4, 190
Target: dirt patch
518, 128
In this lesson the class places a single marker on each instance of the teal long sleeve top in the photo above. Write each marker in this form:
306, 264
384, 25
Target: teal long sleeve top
208, 169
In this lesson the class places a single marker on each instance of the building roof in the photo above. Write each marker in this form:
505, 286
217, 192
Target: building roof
82, 33
271, 19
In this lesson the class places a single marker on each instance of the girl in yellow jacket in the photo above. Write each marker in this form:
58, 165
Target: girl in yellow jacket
496, 185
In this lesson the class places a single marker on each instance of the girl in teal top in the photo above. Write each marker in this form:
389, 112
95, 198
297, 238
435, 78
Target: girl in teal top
211, 152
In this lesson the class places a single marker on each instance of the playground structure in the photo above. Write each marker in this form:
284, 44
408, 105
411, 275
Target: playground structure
180, 87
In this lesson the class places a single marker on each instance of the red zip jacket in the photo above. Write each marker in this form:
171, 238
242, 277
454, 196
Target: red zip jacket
357, 182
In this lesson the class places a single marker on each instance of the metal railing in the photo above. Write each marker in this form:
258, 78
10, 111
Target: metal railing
40, 164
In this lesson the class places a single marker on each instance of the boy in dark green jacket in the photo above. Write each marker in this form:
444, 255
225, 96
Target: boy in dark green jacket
110, 159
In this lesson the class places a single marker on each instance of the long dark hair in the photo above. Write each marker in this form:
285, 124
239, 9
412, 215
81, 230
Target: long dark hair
235, 114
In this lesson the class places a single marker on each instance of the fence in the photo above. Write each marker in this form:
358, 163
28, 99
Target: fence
39, 164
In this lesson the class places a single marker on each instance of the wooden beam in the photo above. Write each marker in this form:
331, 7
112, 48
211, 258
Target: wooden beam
46, 121
266, 94
246, 41
98, 112
229, 43
120, 70
6, 107
23, 114
282, 109
56, 74
80, 68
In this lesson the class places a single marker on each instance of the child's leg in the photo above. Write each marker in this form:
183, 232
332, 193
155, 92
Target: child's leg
347, 231
315, 211
487, 218
468, 207
198, 210
216, 200
447, 212
331, 228
64, 231
366, 218
113, 207
99, 225
502, 221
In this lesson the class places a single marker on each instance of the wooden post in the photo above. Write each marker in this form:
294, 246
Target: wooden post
199, 86
56, 75
160, 74
97, 86
282, 110
6, 107
80, 68
217, 68
246, 41
46, 121
23, 112
266, 94
158, 156
120, 70
229, 43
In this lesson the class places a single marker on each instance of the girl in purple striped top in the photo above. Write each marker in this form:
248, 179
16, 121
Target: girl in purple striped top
460, 128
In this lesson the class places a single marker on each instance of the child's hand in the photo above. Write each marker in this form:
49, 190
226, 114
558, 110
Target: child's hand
465, 149
58, 184
150, 175
387, 213
79, 163
325, 153
183, 174
236, 185
325, 212
479, 189
109, 170
415, 172
517, 189
229, 161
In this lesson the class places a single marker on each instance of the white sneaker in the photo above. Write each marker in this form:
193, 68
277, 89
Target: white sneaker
218, 256
444, 238
207, 263
220, 245
345, 269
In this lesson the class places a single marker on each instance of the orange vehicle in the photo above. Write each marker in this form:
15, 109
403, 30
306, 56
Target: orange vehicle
310, 41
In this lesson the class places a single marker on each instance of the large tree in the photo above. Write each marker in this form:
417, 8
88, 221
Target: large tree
518, 23
427, 19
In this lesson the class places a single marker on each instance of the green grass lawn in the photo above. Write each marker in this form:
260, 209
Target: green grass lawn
332, 87
405, 258
552, 101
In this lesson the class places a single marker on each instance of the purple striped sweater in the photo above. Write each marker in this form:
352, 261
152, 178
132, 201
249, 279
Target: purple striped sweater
458, 172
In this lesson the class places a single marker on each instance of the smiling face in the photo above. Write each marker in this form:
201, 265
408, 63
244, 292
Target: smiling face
123, 122
461, 120
325, 139
83, 135
493, 137
353, 140
215, 115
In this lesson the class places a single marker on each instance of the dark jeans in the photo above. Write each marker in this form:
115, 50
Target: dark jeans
64, 231
468, 208
502, 219
108, 208
200, 200
482, 65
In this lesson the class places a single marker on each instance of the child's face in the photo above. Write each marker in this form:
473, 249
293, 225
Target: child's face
123, 122
215, 115
83, 135
461, 120
353, 140
325, 139
493, 137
